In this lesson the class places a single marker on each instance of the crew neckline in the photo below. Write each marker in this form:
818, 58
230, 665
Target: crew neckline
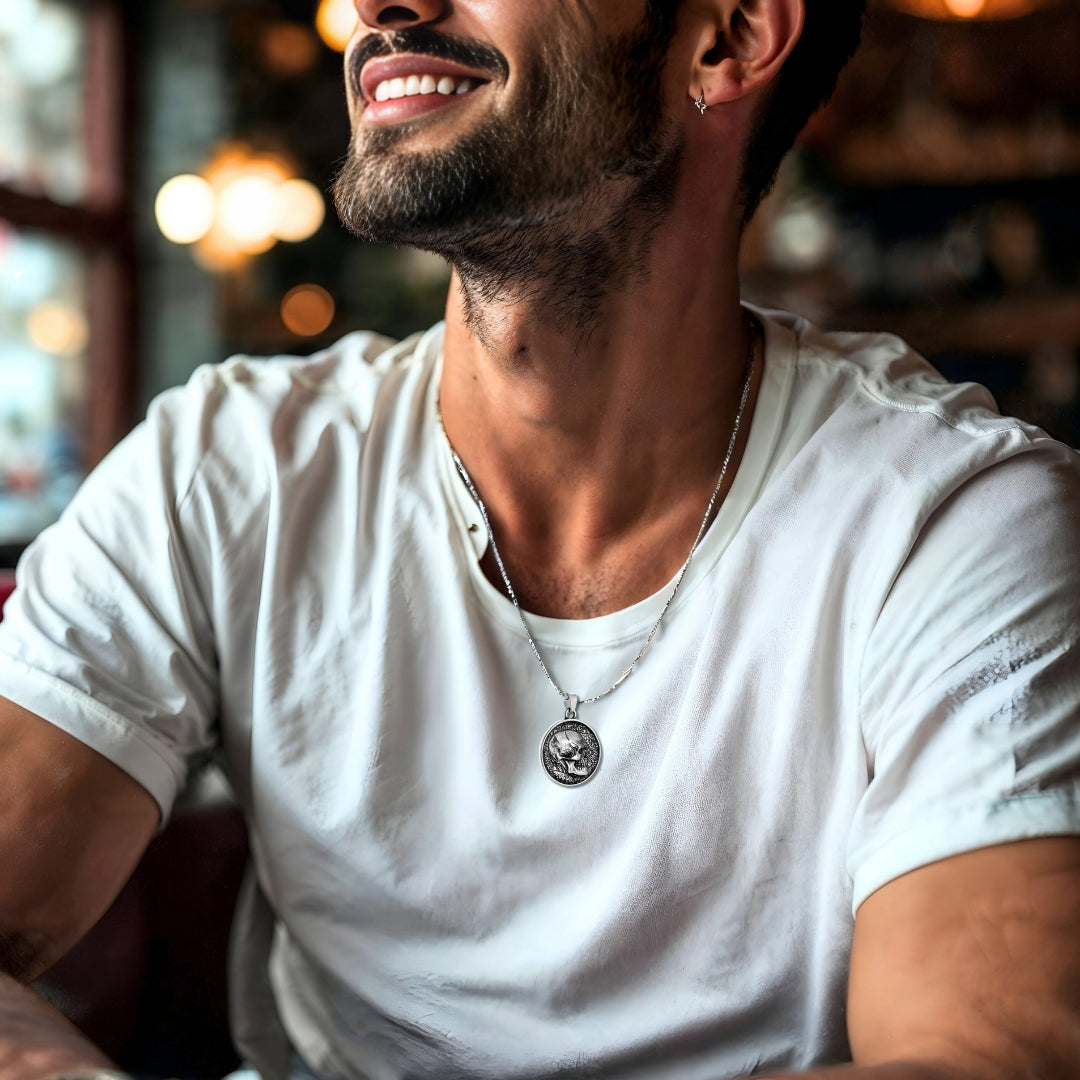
635, 620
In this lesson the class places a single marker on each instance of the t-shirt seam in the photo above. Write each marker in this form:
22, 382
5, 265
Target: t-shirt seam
805, 356
953, 422
84, 702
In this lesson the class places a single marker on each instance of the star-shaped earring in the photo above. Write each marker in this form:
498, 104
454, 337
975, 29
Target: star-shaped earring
700, 103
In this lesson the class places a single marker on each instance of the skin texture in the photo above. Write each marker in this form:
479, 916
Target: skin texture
597, 470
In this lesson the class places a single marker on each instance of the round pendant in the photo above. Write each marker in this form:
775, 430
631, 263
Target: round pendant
570, 753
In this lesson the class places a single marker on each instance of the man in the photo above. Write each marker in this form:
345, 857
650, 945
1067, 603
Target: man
617, 681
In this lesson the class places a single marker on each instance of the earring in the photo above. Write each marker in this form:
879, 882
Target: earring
700, 103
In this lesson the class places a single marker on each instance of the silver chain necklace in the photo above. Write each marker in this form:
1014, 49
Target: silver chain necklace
570, 750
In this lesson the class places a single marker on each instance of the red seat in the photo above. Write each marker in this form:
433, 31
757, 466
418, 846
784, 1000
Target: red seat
7, 586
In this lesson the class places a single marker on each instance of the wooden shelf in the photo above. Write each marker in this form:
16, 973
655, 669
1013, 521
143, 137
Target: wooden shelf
943, 151
1009, 326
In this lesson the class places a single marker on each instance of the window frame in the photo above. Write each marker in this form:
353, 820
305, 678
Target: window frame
101, 226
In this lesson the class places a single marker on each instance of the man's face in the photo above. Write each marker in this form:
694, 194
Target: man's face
524, 112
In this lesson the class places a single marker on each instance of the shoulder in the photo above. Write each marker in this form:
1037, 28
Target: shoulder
886, 371
885, 417
345, 378
255, 413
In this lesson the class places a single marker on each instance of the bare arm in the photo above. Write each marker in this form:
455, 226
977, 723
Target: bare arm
72, 828
969, 969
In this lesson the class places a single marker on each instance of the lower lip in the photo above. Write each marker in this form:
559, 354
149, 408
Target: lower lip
409, 108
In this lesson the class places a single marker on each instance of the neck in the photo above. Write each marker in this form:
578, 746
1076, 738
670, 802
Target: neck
561, 271
595, 443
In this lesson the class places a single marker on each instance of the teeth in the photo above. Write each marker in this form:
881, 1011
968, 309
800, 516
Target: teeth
422, 85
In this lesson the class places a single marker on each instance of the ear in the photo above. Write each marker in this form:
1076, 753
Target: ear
742, 45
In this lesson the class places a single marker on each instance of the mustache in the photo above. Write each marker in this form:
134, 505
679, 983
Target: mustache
427, 42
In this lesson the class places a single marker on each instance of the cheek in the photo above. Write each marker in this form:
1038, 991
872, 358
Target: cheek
613, 17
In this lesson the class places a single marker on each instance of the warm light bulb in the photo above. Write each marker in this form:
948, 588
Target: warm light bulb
300, 211
219, 253
247, 211
965, 9
969, 9
307, 310
184, 209
336, 20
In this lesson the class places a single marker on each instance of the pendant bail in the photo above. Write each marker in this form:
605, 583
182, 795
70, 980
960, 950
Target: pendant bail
571, 707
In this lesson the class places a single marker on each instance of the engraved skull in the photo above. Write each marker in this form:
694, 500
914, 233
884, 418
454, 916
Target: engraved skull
567, 748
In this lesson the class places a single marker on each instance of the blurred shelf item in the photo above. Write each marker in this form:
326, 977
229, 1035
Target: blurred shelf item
938, 197
929, 144
963, 102
1009, 326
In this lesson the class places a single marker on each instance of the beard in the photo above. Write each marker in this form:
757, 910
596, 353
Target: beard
559, 185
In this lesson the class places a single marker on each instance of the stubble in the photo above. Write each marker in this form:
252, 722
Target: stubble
552, 199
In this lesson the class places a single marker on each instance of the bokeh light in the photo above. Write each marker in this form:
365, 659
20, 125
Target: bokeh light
184, 209
57, 328
15, 14
336, 21
300, 211
219, 253
970, 9
247, 201
47, 45
965, 9
307, 310
33, 270
247, 210
802, 237
289, 49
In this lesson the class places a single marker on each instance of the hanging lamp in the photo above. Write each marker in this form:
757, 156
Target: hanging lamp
970, 10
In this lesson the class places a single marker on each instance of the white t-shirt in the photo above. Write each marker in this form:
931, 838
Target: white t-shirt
871, 665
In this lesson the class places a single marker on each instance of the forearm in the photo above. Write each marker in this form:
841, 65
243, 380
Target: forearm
36, 1041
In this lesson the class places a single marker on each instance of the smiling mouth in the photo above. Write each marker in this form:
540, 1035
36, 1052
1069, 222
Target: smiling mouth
423, 86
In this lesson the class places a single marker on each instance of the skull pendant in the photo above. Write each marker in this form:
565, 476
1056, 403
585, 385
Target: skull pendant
570, 753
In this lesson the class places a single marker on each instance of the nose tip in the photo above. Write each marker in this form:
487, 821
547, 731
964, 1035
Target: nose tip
382, 15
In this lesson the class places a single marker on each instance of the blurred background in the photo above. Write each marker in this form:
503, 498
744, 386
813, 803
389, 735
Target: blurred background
164, 167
